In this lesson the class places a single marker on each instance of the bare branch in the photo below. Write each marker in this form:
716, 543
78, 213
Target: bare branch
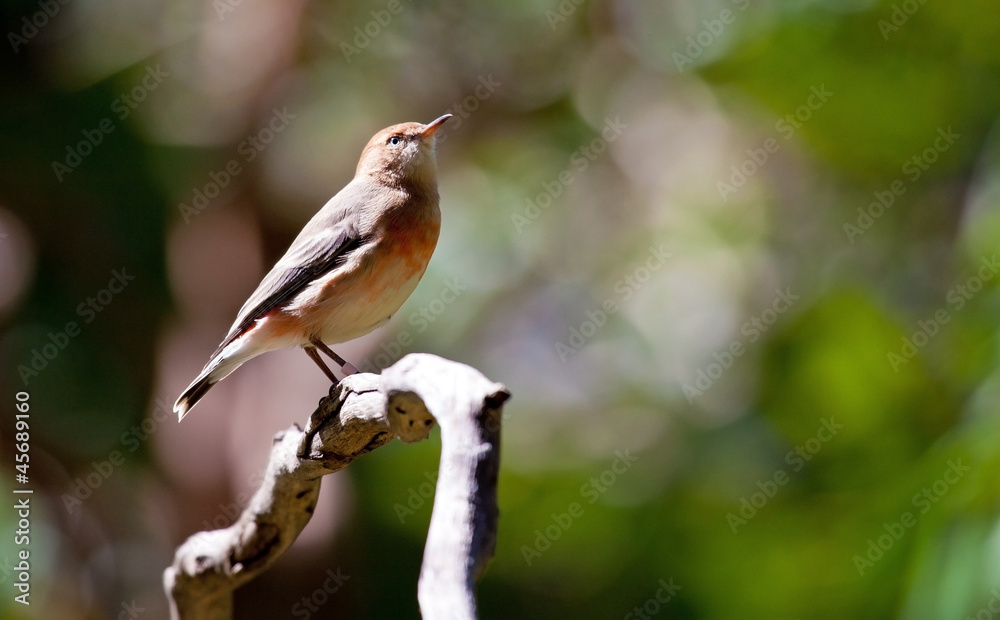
360, 414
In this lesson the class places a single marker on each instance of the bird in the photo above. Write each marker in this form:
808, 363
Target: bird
350, 268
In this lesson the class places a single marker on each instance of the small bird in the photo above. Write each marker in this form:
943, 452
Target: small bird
352, 266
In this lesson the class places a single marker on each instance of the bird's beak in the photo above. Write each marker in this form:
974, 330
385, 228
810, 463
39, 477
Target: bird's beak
434, 125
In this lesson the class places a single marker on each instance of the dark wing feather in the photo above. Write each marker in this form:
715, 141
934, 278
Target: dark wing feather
312, 256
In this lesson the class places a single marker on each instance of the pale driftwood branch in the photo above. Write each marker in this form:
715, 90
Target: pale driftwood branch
362, 413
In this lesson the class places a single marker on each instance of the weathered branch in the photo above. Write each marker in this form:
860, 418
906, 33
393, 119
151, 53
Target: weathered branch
362, 413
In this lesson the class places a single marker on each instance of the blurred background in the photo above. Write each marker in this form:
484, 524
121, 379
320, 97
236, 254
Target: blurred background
736, 261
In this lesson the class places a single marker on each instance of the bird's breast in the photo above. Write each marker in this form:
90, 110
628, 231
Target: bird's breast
364, 292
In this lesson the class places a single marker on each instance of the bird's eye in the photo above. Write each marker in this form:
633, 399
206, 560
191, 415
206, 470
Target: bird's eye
395, 140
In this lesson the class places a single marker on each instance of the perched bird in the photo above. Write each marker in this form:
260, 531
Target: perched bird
352, 266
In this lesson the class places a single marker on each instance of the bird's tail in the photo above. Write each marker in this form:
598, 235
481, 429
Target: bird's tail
217, 369
198, 388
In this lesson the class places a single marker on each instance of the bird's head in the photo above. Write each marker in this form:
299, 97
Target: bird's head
402, 154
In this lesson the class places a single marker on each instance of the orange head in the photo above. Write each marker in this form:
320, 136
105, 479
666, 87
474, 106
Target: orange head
402, 154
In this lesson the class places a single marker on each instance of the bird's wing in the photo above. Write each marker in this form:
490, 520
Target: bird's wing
325, 243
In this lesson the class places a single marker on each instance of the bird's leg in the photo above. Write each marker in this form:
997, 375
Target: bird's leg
346, 367
314, 356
